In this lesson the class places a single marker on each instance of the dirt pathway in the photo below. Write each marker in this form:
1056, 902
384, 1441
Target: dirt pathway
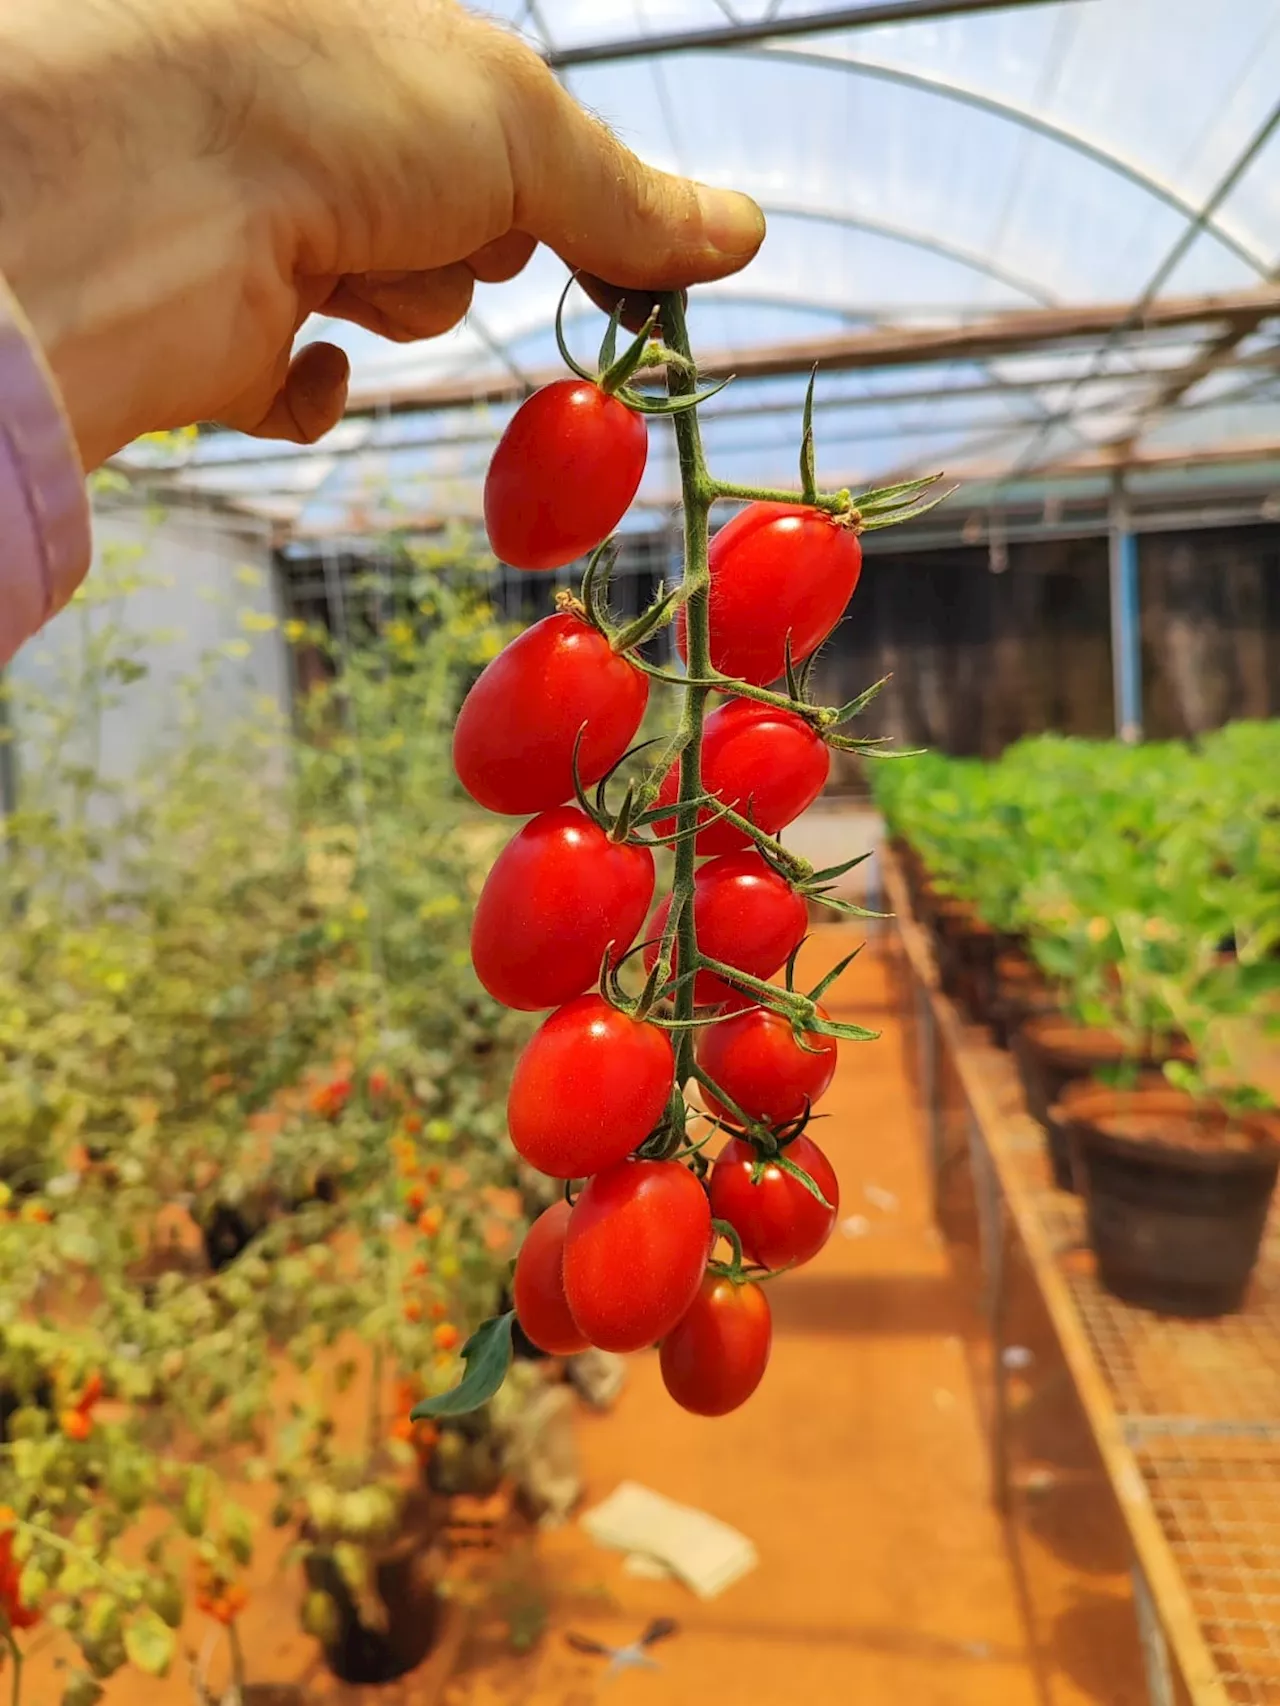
860, 1472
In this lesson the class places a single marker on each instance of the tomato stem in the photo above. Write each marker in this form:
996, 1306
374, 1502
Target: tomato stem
15, 1655
832, 503
698, 493
239, 1678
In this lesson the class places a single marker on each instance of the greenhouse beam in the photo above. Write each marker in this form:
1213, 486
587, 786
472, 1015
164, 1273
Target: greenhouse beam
1126, 627
727, 35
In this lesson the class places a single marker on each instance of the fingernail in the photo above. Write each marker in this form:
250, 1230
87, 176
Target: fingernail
731, 222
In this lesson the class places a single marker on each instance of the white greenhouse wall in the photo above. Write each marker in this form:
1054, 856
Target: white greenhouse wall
204, 596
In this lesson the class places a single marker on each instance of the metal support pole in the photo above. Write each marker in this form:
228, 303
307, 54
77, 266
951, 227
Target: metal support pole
1126, 628
930, 1092
991, 1239
873, 899
1155, 1649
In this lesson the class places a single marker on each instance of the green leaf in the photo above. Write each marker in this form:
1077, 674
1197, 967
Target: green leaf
487, 1356
102, 1617
193, 1513
150, 1643
81, 1689
164, 1596
237, 1526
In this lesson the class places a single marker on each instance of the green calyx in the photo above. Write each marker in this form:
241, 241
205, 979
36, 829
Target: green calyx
614, 370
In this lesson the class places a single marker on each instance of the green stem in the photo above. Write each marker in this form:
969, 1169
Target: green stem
822, 716
15, 1653
698, 493
834, 503
238, 1676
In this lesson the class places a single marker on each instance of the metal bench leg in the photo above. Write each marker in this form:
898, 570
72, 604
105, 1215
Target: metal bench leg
930, 1091
1155, 1650
992, 1244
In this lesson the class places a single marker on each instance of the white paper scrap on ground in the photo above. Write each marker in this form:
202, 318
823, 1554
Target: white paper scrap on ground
645, 1568
708, 1556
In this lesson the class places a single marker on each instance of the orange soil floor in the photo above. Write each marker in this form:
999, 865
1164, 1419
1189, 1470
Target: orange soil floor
859, 1470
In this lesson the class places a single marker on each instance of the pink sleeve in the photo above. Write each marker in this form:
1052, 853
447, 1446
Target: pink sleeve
44, 510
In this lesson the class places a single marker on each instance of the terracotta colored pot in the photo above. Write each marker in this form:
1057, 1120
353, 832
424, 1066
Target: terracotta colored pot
1177, 1192
1053, 1051
1020, 991
967, 950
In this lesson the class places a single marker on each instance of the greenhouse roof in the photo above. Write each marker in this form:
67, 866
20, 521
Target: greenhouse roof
1026, 241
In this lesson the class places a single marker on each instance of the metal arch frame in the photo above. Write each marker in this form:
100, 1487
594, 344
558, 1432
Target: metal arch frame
1074, 140
501, 348
906, 235
867, 15
287, 455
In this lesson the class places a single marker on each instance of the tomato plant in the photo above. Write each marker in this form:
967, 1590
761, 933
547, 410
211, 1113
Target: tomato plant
768, 764
637, 1245
538, 1286
602, 1092
513, 746
780, 572
715, 1356
559, 894
755, 1057
779, 1221
746, 916
563, 474
590, 1086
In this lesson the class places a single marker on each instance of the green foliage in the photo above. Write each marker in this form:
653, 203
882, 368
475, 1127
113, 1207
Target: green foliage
1146, 879
236, 1003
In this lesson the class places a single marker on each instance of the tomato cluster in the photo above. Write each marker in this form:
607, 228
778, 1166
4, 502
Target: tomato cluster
632, 1259
13, 1613
217, 1594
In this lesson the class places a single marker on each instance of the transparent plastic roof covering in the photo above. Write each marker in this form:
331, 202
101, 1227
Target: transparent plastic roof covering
930, 172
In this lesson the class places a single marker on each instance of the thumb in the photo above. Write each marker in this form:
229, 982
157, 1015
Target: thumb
578, 190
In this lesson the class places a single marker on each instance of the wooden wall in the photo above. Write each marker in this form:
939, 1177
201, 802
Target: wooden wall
979, 658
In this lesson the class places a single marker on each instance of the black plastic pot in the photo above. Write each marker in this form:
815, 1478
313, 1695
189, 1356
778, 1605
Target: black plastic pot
1051, 1053
227, 1232
405, 1584
1176, 1226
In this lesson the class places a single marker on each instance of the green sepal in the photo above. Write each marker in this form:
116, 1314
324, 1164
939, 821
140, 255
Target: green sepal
784, 1162
614, 374
566, 355
808, 481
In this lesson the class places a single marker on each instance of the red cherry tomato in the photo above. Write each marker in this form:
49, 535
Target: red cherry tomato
537, 1287
713, 1359
753, 1055
779, 1221
563, 474
636, 1251
588, 1089
769, 765
776, 570
514, 739
559, 893
745, 915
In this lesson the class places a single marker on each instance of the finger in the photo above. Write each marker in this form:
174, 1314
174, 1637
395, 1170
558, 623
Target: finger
503, 258
301, 400
636, 305
404, 306
589, 198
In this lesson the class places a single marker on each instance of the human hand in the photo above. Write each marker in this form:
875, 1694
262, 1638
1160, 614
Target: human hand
184, 181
